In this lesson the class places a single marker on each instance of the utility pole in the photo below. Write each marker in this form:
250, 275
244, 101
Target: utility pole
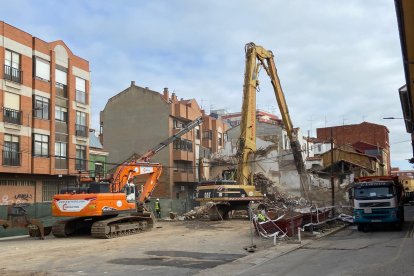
332, 176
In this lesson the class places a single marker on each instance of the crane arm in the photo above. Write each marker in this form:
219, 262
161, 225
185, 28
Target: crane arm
171, 139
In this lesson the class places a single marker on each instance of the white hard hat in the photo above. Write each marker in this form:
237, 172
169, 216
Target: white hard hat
158, 199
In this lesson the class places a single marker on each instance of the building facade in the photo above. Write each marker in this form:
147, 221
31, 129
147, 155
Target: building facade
98, 158
359, 134
44, 122
137, 119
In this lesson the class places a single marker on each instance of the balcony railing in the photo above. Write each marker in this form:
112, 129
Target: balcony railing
12, 116
12, 158
80, 165
12, 74
81, 130
61, 163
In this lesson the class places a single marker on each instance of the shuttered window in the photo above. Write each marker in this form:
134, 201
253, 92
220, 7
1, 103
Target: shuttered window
42, 69
11, 101
61, 77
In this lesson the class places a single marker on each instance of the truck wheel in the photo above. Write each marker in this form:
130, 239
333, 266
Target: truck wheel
362, 227
398, 226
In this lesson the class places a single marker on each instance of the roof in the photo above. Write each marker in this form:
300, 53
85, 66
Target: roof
94, 141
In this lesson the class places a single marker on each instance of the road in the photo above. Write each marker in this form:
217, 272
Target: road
213, 248
381, 251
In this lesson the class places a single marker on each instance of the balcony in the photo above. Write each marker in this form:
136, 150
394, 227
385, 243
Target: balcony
183, 155
12, 158
12, 74
12, 116
82, 131
61, 163
183, 176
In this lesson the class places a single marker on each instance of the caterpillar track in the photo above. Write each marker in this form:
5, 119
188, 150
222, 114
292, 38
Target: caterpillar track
104, 227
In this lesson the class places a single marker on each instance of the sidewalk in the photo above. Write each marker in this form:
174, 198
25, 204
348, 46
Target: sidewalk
262, 256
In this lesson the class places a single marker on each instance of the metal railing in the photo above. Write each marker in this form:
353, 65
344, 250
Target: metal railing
12, 158
12, 74
12, 116
81, 130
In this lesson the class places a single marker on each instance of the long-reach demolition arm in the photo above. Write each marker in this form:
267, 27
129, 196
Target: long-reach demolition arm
247, 143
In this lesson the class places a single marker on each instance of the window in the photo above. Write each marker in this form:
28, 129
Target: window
80, 118
11, 113
98, 169
61, 83
12, 67
80, 90
42, 69
61, 114
80, 164
220, 139
208, 134
197, 133
41, 107
41, 145
60, 149
178, 124
183, 144
81, 127
60, 155
11, 150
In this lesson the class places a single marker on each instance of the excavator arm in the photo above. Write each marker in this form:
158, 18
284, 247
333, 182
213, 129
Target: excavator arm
256, 57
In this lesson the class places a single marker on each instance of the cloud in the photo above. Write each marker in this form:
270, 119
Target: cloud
338, 61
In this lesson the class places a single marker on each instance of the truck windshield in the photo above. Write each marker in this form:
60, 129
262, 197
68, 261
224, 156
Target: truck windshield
374, 192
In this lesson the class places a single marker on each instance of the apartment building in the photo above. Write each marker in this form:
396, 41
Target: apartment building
138, 118
44, 118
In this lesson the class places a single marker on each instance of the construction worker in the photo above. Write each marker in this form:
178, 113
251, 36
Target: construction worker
158, 208
261, 217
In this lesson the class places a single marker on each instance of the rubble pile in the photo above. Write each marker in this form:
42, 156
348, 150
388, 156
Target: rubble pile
198, 212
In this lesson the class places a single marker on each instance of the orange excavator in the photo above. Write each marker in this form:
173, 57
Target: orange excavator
113, 208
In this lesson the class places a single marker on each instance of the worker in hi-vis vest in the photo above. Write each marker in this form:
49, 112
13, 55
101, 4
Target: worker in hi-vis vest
158, 208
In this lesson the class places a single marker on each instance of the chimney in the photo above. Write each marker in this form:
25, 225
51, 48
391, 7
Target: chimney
166, 94
132, 83
173, 97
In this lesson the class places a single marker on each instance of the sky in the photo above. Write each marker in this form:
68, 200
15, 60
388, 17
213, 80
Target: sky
339, 62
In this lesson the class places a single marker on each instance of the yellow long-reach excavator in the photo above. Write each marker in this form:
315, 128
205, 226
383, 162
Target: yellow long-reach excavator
236, 194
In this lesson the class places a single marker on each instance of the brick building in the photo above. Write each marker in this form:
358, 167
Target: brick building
44, 118
372, 139
137, 119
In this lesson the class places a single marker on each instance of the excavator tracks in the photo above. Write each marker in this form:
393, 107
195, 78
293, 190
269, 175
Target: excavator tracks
104, 228
121, 226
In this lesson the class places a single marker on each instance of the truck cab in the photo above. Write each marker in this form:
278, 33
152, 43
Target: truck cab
377, 201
